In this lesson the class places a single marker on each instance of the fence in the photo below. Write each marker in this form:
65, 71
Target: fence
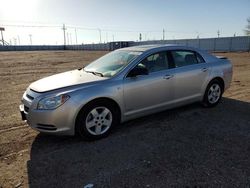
224, 44
56, 47
31, 48
105, 47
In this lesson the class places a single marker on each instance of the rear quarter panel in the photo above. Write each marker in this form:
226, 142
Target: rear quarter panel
222, 68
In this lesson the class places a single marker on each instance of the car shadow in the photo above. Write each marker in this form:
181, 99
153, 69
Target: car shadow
187, 146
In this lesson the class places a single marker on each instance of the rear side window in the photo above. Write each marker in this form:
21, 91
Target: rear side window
184, 58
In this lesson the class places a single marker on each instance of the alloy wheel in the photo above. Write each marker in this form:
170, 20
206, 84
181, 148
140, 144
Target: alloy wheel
99, 120
214, 93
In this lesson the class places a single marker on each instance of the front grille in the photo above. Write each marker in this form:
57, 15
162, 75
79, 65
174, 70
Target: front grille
26, 109
29, 97
46, 127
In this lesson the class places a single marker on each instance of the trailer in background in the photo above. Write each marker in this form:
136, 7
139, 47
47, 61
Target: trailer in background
118, 44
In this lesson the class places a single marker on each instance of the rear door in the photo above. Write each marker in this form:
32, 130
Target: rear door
190, 74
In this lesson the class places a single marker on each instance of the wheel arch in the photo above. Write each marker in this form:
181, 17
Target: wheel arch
220, 80
96, 100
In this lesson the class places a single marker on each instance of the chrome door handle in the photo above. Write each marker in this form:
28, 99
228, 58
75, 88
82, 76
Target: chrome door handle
204, 69
167, 77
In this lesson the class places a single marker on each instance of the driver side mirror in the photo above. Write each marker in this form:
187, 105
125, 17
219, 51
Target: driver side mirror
138, 70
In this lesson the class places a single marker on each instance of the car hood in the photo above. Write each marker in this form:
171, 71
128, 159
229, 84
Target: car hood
65, 79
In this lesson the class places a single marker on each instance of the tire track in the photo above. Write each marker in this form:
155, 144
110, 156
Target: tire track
13, 128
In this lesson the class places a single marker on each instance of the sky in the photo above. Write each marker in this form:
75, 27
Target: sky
92, 21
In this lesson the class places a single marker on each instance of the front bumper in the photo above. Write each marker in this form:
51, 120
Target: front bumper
52, 122
23, 115
60, 121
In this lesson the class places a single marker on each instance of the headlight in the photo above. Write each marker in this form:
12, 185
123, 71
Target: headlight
52, 102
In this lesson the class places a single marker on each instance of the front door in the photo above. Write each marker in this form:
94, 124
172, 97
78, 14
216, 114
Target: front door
148, 92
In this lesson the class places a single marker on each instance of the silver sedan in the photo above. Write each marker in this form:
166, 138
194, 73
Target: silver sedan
123, 85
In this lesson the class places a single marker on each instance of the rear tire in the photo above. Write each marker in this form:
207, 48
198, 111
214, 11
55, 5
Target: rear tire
96, 120
213, 94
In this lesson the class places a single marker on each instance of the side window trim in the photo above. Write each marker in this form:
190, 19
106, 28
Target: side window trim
170, 59
197, 55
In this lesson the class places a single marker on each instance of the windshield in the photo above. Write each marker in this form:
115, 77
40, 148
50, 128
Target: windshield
111, 63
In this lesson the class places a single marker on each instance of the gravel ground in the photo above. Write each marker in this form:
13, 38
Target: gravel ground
189, 146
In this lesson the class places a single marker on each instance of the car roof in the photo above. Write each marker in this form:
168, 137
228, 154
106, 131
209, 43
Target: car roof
158, 47
144, 48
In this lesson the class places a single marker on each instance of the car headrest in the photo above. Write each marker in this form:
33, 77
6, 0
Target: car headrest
190, 59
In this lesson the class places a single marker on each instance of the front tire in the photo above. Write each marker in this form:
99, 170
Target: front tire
96, 120
213, 94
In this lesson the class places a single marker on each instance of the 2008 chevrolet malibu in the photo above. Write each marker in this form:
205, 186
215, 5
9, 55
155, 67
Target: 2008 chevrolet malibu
123, 85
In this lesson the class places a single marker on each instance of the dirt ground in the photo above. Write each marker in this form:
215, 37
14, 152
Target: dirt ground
188, 146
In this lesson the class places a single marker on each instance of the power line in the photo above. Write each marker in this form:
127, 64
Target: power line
28, 26
75, 27
92, 29
109, 31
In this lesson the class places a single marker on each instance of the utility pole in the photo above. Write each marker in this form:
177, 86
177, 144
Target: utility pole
113, 38
30, 39
18, 38
2, 29
15, 41
140, 37
218, 33
70, 38
100, 34
67, 38
76, 35
163, 34
64, 36
198, 35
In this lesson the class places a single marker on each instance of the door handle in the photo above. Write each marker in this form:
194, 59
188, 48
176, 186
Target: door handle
167, 77
204, 69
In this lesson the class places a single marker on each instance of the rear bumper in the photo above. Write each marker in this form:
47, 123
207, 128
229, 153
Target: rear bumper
228, 75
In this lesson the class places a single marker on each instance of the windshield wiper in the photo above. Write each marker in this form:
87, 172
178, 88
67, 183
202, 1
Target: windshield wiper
95, 73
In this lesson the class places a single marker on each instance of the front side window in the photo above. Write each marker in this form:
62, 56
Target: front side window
110, 64
155, 62
184, 58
